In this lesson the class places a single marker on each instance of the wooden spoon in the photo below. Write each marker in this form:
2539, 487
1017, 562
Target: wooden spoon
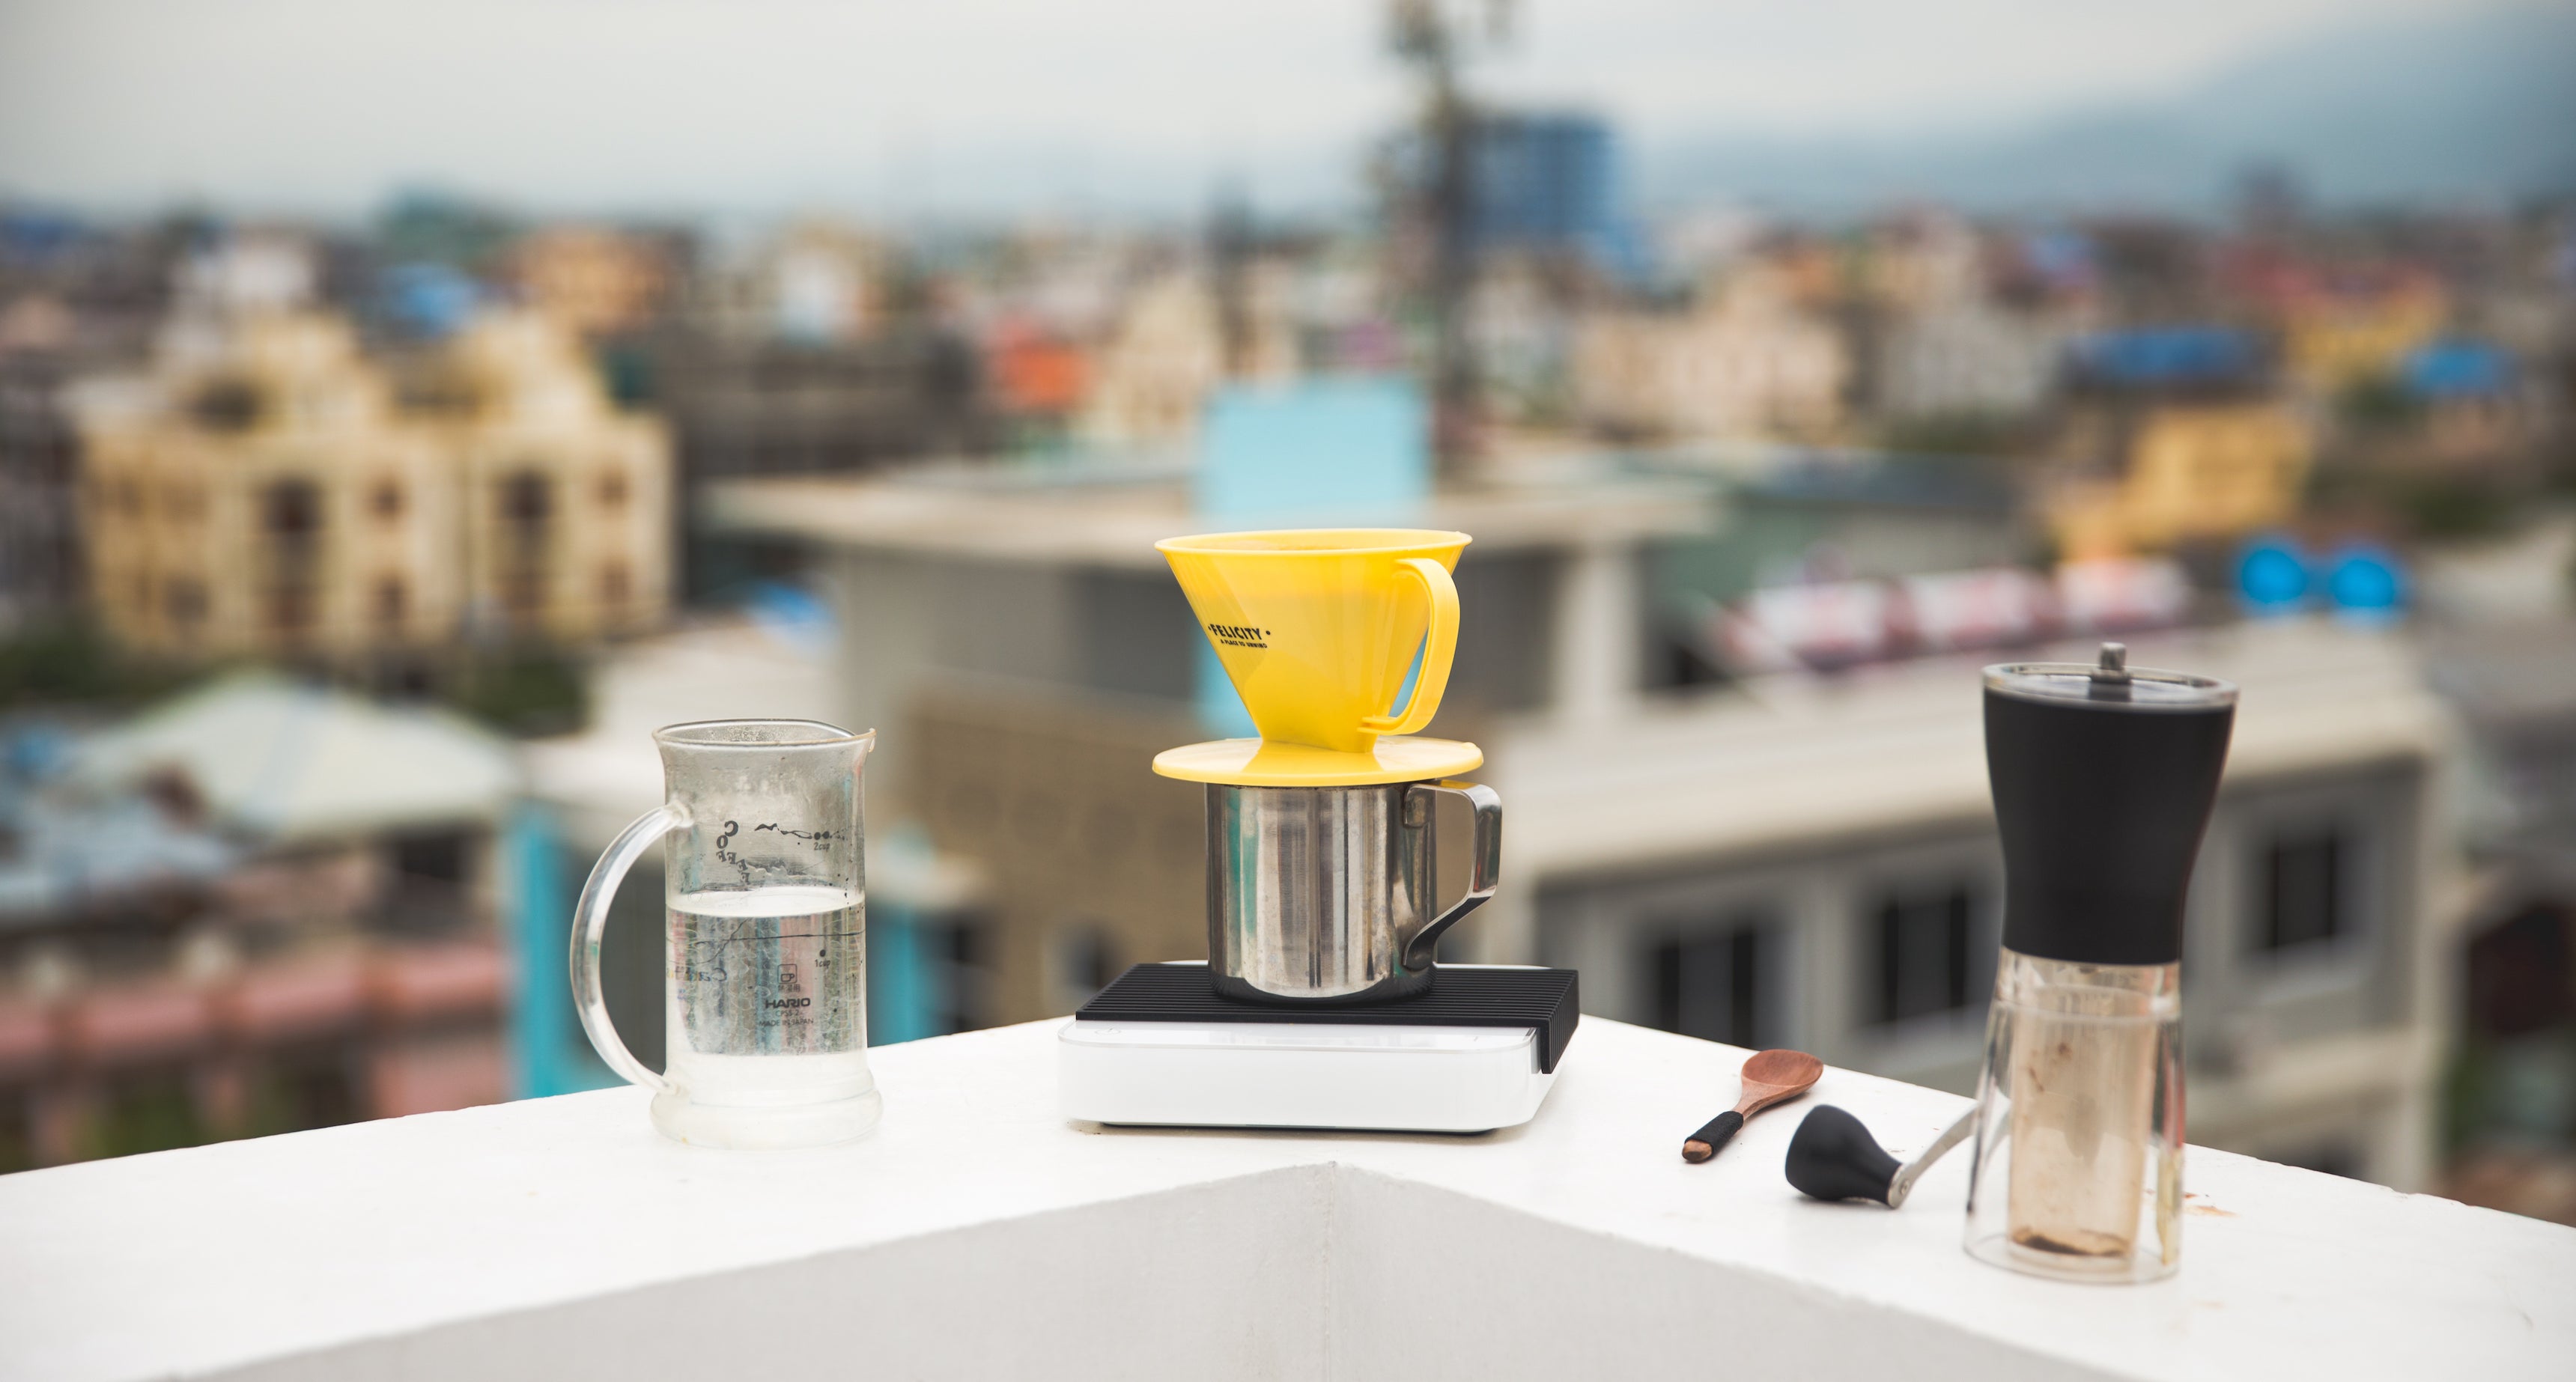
1770, 1077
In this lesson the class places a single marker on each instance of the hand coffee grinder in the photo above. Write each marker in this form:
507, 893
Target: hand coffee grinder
2103, 780
1321, 1003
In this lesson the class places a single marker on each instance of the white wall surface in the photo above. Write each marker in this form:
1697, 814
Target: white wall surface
976, 1234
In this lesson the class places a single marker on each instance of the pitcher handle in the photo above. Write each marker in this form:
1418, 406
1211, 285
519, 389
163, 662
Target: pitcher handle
1484, 859
590, 921
1439, 648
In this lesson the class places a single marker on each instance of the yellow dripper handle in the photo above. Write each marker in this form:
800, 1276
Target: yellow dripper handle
1439, 647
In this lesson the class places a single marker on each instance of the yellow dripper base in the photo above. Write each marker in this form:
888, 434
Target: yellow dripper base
1258, 763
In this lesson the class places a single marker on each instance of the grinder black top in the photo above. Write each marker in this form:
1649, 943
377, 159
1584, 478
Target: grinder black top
2103, 778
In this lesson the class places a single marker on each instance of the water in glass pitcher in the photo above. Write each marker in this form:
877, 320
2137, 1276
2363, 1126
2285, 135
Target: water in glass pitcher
768, 995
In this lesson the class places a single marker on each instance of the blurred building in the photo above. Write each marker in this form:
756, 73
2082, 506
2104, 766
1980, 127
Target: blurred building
1810, 519
593, 282
567, 501
427, 226
2172, 435
789, 355
1815, 865
248, 270
2347, 327
1548, 183
1933, 333
278, 492
1967, 356
259, 908
1747, 361
1160, 363
816, 282
2504, 654
772, 406
1520, 323
1035, 374
2183, 472
75, 299
2474, 409
40, 564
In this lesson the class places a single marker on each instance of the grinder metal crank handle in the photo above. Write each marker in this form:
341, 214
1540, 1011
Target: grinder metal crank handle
1833, 1157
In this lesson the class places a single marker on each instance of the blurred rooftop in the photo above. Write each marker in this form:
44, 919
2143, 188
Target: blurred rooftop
1113, 517
284, 761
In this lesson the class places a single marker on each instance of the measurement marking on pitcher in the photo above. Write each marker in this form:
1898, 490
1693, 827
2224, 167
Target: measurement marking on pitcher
771, 970
713, 949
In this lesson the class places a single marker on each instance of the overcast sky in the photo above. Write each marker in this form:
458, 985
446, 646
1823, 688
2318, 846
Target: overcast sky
943, 106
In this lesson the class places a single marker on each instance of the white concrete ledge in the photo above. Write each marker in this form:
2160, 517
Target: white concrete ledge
975, 1235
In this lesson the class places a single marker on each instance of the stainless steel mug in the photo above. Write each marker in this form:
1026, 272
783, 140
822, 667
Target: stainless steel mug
1329, 894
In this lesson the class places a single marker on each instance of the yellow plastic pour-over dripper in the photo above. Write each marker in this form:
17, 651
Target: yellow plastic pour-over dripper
1316, 627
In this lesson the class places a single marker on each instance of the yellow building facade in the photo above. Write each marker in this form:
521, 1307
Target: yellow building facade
2186, 472
2335, 337
280, 495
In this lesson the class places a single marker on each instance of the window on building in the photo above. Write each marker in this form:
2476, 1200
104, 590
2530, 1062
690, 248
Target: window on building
527, 500
439, 857
393, 603
612, 490
292, 607
183, 600
1923, 960
291, 509
1716, 985
1086, 959
2303, 894
386, 500
229, 405
290, 515
527, 506
616, 586
429, 893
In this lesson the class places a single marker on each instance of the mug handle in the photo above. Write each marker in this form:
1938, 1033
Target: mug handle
1484, 856
1439, 647
590, 921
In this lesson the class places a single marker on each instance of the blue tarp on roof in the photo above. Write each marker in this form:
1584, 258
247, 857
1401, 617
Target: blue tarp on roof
2166, 355
2458, 369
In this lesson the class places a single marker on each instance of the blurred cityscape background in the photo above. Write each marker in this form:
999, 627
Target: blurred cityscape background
406, 408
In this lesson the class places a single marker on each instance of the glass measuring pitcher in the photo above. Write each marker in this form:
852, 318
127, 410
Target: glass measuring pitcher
765, 892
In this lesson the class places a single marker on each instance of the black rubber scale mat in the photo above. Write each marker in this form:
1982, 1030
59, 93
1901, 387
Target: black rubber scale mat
1542, 1000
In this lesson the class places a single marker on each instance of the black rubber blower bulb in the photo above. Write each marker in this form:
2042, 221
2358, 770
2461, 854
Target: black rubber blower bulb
1833, 1157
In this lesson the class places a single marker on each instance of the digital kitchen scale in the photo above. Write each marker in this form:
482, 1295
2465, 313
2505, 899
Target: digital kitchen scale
1159, 1047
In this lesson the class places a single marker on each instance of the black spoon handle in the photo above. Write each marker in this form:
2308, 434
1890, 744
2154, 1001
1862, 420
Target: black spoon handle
1712, 1135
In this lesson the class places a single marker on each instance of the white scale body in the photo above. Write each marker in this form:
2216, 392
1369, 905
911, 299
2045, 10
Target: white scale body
1358, 1077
